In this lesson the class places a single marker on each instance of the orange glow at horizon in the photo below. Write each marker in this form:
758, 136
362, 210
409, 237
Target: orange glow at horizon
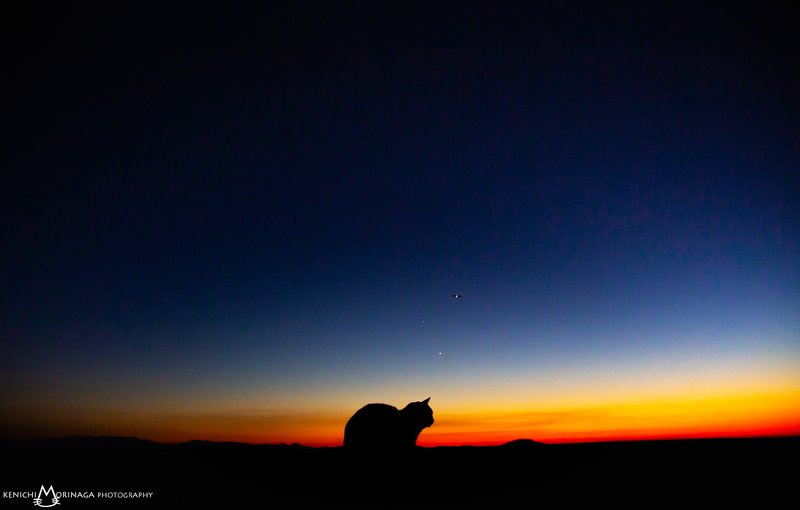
774, 414
739, 416
758, 414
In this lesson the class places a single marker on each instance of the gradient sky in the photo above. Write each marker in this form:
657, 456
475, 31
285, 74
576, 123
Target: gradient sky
246, 224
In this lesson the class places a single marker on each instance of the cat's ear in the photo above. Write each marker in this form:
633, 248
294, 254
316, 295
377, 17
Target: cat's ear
426, 400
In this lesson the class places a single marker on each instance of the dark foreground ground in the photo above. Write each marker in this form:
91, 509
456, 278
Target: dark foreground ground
680, 474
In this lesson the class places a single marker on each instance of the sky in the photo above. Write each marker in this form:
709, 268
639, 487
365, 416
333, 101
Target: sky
246, 223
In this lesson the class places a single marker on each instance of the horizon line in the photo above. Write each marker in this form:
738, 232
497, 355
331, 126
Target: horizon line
577, 441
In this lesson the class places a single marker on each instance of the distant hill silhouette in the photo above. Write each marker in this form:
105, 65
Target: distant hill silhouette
100, 442
522, 443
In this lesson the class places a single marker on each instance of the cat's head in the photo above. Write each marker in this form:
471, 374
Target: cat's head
420, 412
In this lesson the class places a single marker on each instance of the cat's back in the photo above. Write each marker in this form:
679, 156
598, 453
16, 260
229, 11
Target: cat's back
372, 414
369, 425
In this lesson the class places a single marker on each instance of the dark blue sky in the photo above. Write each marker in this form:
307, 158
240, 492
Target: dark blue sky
180, 187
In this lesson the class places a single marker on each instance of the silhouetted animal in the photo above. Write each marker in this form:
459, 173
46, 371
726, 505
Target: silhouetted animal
381, 426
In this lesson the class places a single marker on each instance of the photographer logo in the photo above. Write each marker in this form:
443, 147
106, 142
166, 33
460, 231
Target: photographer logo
49, 497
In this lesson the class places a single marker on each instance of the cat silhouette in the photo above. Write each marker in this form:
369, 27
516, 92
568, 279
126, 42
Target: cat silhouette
381, 426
